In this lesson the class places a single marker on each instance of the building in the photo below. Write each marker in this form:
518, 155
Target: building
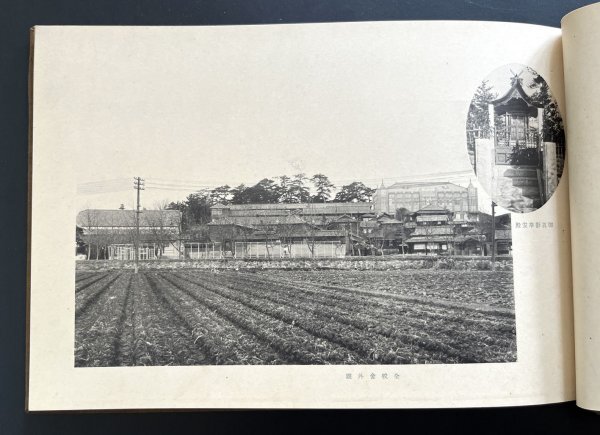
327, 210
439, 231
520, 160
518, 124
503, 240
413, 197
384, 233
433, 231
111, 234
281, 230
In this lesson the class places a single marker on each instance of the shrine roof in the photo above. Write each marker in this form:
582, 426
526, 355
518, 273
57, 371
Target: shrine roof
515, 100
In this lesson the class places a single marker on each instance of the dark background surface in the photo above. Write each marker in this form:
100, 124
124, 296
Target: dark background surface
16, 17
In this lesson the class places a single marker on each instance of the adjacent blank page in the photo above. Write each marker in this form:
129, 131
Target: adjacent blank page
581, 45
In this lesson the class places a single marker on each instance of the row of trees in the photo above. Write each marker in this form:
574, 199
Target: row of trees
281, 190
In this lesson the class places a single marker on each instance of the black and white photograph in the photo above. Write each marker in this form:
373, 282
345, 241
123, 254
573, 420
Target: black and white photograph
516, 138
411, 273
254, 212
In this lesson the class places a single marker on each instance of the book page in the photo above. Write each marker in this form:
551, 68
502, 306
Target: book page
581, 44
348, 215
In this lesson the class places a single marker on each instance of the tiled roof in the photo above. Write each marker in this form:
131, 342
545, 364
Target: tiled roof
96, 218
344, 218
421, 184
475, 238
418, 239
297, 234
306, 208
126, 237
259, 221
338, 208
386, 220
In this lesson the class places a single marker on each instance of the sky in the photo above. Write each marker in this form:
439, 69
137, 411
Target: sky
169, 186
499, 79
187, 110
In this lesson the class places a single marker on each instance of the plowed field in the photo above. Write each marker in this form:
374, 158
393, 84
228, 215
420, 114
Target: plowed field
194, 317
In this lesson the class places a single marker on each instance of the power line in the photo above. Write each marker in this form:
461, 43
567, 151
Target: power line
177, 189
179, 184
103, 186
102, 182
121, 184
175, 183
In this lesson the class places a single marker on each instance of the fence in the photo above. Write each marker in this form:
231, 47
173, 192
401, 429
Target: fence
196, 251
127, 252
268, 250
275, 249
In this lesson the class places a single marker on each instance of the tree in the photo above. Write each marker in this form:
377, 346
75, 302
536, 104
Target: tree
179, 205
238, 194
164, 226
226, 234
478, 118
284, 189
403, 215
287, 228
266, 191
196, 209
220, 195
298, 192
311, 232
355, 192
270, 235
323, 187
92, 235
553, 124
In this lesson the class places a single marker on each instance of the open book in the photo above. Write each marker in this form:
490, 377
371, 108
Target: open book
373, 214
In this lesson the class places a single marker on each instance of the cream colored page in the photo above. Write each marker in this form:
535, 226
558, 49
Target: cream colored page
133, 94
581, 45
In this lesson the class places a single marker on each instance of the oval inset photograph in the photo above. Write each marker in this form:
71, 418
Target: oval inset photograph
516, 138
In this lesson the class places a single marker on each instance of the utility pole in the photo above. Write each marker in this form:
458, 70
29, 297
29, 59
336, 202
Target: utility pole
493, 235
138, 184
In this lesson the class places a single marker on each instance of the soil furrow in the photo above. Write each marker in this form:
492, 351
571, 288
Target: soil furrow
366, 344
283, 344
370, 323
89, 283
93, 298
121, 344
